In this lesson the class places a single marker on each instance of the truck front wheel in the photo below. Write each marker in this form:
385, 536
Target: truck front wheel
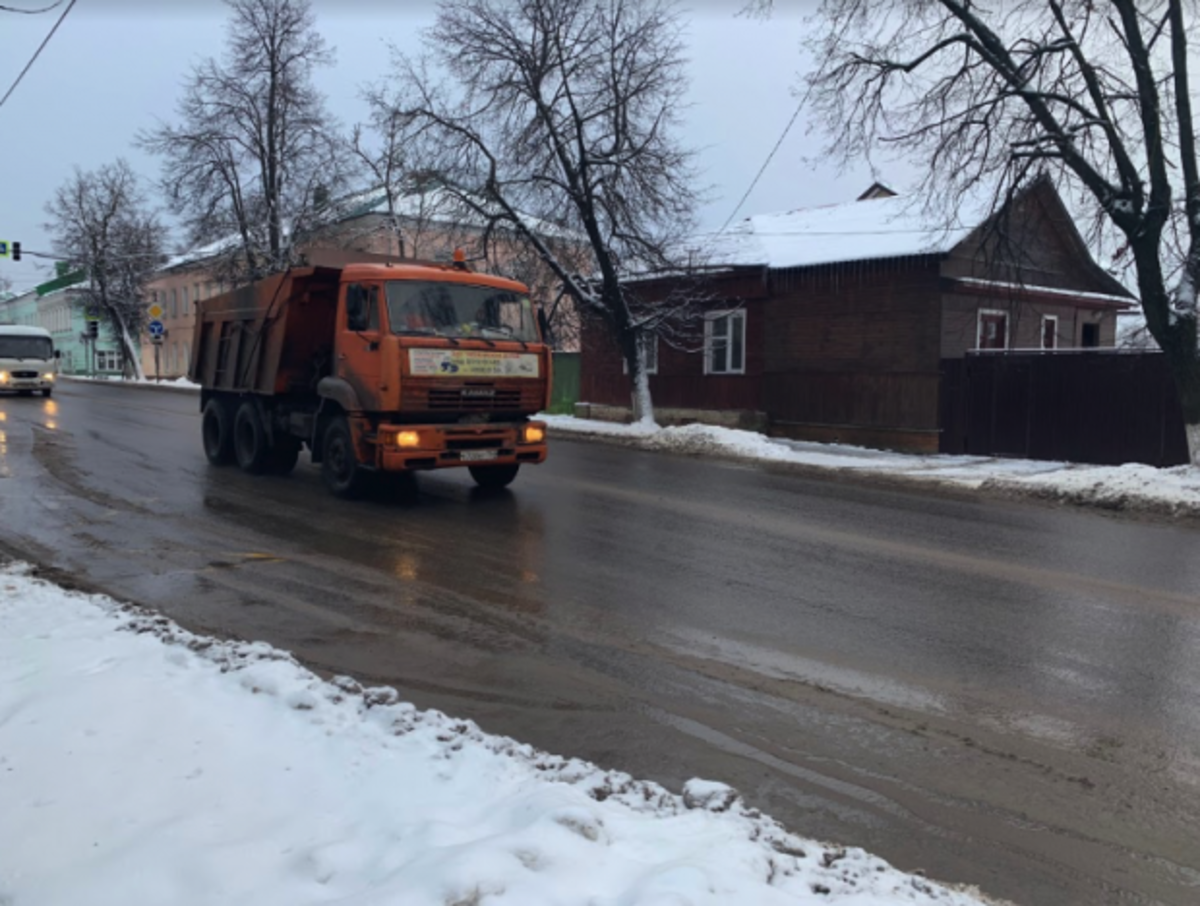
494, 476
250, 444
339, 465
217, 432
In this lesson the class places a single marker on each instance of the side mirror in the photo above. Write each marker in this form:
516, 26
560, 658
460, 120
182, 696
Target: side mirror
58, 353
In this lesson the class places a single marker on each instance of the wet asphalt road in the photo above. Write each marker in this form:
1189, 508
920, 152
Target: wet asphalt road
1000, 694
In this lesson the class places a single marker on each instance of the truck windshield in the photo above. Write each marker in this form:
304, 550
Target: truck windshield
25, 347
459, 310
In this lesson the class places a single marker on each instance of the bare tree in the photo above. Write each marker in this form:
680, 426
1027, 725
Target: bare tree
100, 221
556, 118
428, 219
1095, 95
381, 147
255, 155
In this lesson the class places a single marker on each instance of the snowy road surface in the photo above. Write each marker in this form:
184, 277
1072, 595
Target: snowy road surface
1001, 694
140, 764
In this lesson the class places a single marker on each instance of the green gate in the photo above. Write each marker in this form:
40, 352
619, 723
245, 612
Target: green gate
564, 394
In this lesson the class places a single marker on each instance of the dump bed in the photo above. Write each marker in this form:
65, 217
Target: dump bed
272, 337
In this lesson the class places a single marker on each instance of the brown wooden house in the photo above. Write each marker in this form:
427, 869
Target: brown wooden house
832, 323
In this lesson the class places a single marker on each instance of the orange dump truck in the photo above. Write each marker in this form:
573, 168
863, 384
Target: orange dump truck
375, 368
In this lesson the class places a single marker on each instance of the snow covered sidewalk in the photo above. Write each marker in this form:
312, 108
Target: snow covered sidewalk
141, 764
1133, 486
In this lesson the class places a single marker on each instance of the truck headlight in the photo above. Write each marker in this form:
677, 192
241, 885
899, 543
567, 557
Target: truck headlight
408, 439
3, 377
48, 376
533, 434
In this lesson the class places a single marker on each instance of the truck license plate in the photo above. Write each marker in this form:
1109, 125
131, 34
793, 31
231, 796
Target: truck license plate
477, 455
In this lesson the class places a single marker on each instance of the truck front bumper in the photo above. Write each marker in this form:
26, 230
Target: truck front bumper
411, 447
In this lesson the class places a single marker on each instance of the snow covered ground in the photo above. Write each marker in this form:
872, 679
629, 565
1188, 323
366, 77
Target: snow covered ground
141, 764
1132, 486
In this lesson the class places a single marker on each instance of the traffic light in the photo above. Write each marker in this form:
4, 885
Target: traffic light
16, 251
93, 329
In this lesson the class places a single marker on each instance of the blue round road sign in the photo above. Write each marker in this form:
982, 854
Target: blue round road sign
156, 329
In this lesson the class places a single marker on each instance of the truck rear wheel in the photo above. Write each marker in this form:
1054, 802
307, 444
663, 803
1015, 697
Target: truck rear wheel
217, 432
494, 476
339, 464
250, 444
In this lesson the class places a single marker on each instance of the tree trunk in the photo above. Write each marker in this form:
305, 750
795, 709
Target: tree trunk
131, 352
1187, 384
642, 406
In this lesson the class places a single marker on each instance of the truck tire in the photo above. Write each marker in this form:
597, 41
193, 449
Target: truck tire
250, 444
217, 432
46, 393
284, 455
494, 477
340, 468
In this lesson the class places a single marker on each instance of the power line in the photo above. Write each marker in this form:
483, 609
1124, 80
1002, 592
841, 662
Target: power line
763, 168
31, 12
37, 52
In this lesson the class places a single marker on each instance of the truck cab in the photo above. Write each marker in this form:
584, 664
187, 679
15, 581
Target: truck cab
439, 367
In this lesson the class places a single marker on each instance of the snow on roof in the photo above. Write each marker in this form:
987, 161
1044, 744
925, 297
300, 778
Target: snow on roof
873, 228
436, 204
1046, 290
202, 252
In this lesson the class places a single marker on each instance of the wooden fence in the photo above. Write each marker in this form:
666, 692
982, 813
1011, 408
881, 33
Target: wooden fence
1096, 406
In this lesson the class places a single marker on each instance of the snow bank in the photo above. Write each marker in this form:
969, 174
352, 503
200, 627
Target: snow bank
141, 764
1131, 486
175, 384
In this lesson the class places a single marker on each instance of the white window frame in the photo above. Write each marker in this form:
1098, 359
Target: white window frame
649, 363
1042, 341
979, 325
710, 318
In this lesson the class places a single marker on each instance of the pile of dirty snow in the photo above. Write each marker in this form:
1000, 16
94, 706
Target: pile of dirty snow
141, 764
1131, 486
180, 383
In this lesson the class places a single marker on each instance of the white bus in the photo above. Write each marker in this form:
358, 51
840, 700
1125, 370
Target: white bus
28, 360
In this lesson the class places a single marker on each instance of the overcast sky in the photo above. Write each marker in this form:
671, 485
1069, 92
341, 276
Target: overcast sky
114, 66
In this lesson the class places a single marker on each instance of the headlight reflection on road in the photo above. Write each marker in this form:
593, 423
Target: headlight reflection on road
406, 566
51, 407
